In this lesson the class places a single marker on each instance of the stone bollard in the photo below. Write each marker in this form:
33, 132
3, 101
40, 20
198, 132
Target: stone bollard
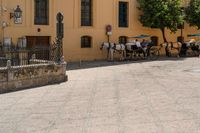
9, 73
63, 63
64, 68
62, 59
33, 57
8, 64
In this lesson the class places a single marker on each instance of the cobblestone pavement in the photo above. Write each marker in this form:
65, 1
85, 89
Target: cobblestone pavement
141, 97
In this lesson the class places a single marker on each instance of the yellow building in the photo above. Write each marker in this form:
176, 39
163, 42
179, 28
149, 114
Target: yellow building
84, 24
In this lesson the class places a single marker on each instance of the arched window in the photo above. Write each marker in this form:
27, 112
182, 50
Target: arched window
86, 42
86, 12
122, 39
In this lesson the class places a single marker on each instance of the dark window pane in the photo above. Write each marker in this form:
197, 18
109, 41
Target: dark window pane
41, 12
86, 12
123, 14
86, 42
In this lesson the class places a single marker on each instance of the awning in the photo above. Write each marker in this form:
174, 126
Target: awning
191, 35
140, 36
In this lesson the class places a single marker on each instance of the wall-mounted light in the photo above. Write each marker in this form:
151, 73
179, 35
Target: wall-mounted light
17, 15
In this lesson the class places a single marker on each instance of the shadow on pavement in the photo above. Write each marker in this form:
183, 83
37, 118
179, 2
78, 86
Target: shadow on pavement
104, 63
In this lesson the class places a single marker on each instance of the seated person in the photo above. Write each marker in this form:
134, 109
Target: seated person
146, 43
149, 45
143, 43
131, 45
139, 46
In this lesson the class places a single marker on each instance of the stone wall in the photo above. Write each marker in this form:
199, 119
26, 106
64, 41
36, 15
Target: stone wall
22, 77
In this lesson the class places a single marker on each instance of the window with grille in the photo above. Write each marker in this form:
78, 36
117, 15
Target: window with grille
86, 42
86, 12
41, 16
122, 39
123, 14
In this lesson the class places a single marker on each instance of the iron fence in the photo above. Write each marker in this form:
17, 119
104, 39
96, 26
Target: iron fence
22, 56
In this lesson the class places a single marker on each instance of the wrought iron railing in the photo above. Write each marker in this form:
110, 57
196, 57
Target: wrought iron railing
19, 56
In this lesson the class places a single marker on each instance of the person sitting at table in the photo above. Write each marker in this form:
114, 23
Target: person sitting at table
140, 49
143, 43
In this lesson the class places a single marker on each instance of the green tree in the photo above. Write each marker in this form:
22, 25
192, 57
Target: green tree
161, 14
192, 13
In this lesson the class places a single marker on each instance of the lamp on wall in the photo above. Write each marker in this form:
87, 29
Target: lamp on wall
17, 13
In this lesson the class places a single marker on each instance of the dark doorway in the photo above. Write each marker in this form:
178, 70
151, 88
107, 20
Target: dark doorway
39, 45
122, 39
154, 40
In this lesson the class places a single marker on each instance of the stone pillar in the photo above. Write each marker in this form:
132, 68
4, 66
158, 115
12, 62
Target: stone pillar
9, 72
63, 63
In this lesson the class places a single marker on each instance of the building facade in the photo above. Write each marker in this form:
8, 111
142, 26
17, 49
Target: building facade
84, 24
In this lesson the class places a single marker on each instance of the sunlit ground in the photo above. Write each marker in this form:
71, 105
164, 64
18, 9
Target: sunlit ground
110, 97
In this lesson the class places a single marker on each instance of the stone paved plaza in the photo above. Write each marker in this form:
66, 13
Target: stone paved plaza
111, 97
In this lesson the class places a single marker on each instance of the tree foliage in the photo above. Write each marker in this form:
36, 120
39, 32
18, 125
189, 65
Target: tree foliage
161, 14
193, 13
